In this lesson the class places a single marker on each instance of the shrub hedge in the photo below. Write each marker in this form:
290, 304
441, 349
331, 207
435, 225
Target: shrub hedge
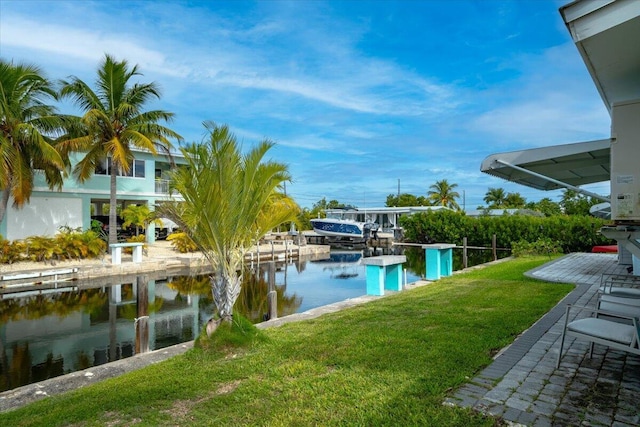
67, 244
571, 233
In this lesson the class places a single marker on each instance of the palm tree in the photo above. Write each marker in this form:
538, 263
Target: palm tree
114, 123
27, 124
442, 193
231, 200
495, 198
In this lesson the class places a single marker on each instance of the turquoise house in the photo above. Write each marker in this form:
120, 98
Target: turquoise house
75, 203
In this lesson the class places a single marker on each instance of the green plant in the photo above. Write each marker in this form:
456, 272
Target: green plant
69, 243
96, 227
574, 233
41, 248
94, 244
11, 252
230, 337
542, 246
182, 243
138, 216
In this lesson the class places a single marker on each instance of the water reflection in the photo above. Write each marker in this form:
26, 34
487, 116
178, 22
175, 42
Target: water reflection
51, 332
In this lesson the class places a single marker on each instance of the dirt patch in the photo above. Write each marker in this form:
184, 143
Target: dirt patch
181, 409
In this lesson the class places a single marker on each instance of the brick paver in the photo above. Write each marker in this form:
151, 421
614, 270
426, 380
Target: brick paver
523, 386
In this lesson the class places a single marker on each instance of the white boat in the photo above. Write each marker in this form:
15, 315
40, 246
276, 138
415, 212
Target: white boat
333, 227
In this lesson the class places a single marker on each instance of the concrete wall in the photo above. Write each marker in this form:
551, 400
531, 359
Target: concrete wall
43, 216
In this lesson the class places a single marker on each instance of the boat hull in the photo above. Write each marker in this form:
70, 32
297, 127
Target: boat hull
342, 228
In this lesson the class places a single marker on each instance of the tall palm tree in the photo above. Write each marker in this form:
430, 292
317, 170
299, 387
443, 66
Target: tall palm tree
231, 200
27, 124
114, 123
442, 193
495, 198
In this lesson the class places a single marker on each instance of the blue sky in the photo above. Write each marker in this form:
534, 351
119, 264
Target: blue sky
357, 95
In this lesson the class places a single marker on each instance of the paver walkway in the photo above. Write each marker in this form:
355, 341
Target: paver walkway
523, 386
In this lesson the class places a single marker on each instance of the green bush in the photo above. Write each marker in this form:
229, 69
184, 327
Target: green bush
182, 243
542, 246
40, 248
573, 233
67, 244
11, 252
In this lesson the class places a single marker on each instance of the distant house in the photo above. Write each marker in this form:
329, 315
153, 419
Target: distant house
76, 203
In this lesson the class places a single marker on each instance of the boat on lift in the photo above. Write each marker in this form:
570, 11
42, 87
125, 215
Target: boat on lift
344, 228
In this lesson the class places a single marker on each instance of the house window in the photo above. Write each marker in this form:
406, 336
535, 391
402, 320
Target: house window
136, 168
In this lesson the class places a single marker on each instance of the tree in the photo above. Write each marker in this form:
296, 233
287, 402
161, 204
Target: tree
514, 200
406, 199
113, 124
442, 193
27, 124
574, 203
138, 216
545, 205
231, 200
495, 198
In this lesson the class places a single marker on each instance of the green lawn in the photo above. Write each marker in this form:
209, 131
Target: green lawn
389, 362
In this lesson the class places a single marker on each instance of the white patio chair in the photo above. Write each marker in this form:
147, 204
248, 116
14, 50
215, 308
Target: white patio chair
625, 308
605, 331
627, 286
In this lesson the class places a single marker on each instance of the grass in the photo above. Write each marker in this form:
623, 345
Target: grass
389, 362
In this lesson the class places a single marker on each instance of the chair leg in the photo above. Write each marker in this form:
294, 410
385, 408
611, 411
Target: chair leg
564, 329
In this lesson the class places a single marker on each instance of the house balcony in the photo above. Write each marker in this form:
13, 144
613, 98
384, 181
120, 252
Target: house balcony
162, 186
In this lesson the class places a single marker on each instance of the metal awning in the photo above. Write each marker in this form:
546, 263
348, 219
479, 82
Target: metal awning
606, 33
555, 167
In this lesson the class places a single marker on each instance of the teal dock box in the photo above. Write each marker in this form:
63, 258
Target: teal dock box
438, 260
384, 272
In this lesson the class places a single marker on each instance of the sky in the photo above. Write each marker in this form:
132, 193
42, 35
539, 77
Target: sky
362, 98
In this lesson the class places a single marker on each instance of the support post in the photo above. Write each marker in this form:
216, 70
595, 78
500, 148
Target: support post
438, 260
465, 260
494, 247
272, 296
384, 272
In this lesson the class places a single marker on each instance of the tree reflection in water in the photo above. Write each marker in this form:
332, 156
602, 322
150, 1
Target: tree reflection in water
252, 302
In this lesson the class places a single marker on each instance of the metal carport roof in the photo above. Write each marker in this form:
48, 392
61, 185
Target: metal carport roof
558, 166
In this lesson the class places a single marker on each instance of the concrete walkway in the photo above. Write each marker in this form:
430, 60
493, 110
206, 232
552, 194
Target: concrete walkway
523, 386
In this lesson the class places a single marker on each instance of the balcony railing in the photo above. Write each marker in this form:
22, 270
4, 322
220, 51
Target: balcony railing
162, 186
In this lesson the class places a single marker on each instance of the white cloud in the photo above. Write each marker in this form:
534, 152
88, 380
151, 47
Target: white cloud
87, 45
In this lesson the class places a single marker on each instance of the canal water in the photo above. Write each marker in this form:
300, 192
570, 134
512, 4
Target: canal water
44, 334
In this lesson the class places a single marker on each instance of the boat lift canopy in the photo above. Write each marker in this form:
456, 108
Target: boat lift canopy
551, 168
